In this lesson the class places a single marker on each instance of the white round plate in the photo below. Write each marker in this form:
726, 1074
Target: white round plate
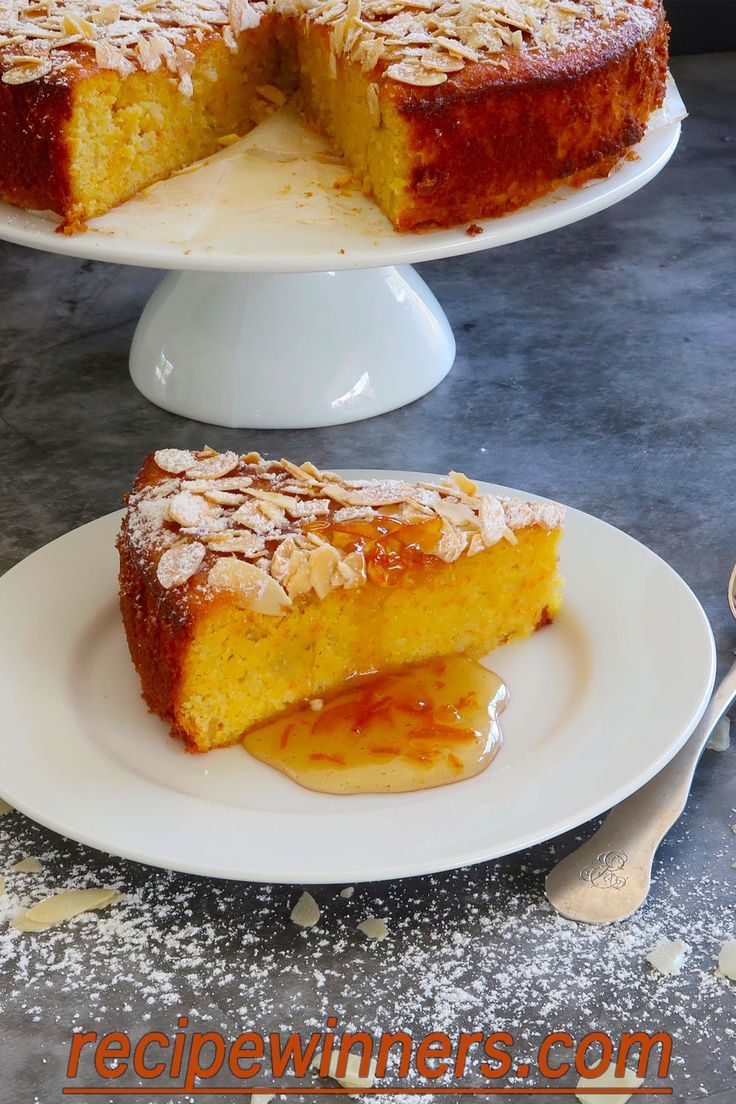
270, 204
600, 701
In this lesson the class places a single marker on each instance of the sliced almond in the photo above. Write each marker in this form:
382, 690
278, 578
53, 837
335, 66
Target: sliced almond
29, 865
451, 544
305, 912
190, 510
213, 466
254, 587
457, 479
225, 498
374, 928
352, 569
492, 519
63, 906
234, 543
409, 72
24, 74
322, 567
178, 564
5, 808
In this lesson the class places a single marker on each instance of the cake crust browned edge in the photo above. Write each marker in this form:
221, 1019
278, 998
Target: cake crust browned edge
34, 156
158, 623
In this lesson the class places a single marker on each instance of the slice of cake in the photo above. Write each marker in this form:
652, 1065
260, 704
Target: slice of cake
249, 586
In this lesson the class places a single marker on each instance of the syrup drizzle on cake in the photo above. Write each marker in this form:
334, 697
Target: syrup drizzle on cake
416, 42
271, 531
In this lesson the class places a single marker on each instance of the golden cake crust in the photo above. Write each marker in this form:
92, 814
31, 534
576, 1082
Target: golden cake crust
504, 124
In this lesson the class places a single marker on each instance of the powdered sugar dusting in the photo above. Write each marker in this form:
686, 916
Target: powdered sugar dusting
479, 948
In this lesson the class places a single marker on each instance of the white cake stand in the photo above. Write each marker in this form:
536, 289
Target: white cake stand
290, 302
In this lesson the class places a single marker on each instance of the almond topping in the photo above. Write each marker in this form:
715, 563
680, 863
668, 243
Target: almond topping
178, 564
259, 591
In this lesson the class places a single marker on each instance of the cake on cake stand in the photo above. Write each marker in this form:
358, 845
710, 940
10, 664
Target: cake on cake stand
290, 301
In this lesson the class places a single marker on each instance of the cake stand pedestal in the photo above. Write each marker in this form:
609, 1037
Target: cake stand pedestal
287, 351
290, 302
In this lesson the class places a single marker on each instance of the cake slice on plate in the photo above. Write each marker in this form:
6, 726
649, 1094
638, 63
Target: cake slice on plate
249, 586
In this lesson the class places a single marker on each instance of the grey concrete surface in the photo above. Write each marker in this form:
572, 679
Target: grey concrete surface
595, 365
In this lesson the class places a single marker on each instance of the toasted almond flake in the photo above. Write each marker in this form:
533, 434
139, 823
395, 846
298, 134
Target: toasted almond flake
347, 892
190, 510
178, 564
322, 568
29, 865
607, 1080
109, 56
213, 466
457, 479
408, 72
174, 461
305, 912
259, 591
228, 140
224, 498
5, 808
74, 24
492, 519
63, 906
374, 928
230, 543
24, 74
451, 544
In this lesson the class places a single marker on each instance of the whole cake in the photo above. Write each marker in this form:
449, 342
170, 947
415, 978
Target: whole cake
250, 586
446, 110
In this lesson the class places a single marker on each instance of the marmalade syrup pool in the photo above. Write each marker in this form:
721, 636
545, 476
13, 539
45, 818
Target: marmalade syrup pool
411, 729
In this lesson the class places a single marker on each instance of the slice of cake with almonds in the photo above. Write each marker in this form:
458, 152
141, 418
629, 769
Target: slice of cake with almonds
248, 586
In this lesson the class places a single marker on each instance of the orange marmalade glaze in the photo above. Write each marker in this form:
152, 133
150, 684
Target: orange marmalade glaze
390, 547
411, 729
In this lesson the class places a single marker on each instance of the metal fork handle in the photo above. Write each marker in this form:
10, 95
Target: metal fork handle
608, 877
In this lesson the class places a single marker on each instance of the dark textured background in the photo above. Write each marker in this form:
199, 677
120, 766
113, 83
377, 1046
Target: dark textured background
595, 365
701, 25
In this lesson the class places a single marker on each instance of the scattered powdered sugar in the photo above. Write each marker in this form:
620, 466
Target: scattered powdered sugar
471, 949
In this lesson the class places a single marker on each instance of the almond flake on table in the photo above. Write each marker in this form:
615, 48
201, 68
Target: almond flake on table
352, 1077
607, 1080
29, 865
727, 960
721, 738
5, 808
374, 927
64, 906
305, 912
668, 957
347, 892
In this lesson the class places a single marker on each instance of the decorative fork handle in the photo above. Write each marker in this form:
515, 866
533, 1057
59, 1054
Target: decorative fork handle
608, 877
